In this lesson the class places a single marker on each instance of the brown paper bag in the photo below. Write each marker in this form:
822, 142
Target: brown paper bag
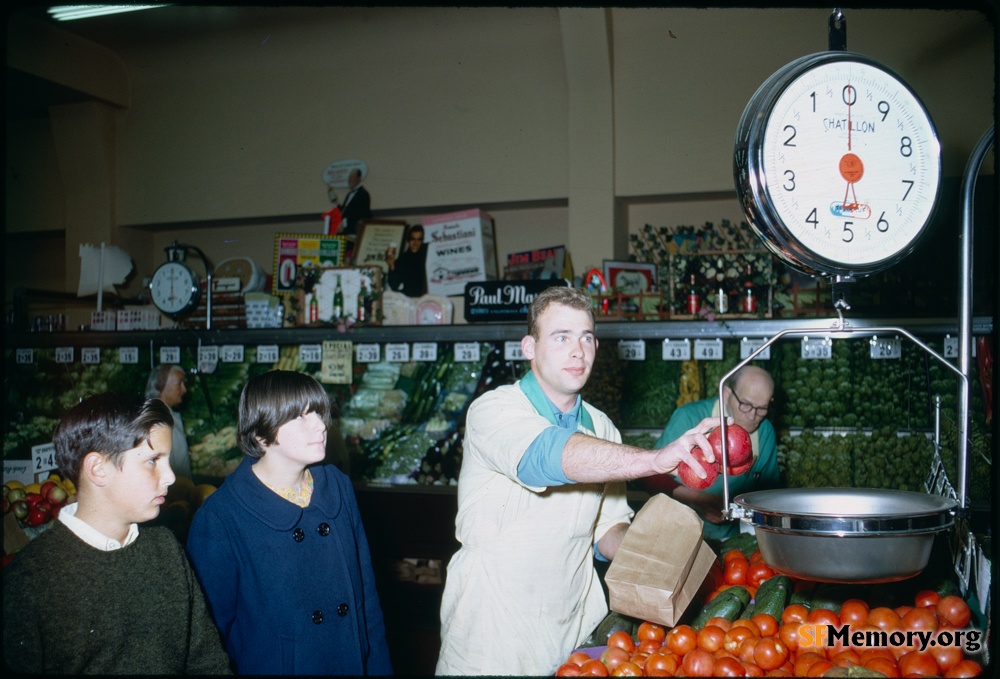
661, 563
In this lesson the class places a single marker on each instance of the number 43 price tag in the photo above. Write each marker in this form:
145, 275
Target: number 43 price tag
676, 350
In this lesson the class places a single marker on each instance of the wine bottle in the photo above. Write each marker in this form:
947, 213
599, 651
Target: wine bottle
338, 301
693, 300
313, 308
748, 301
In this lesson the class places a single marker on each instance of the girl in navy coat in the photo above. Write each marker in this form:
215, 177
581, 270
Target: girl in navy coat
280, 549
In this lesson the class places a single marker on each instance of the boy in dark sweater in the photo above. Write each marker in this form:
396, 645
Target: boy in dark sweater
93, 595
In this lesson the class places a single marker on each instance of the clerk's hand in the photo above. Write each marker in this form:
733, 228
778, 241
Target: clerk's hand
390, 259
679, 450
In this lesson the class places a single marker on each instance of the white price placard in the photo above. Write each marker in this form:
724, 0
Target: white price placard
43, 457
951, 347
708, 349
310, 353
813, 347
128, 355
370, 352
170, 354
425, 351
90, 355
512, 351
231, 353
676, 350
397, 352
886, 347
64, 354
25, 356
750, 345
466, 352
632, 350
268, 353
208, 359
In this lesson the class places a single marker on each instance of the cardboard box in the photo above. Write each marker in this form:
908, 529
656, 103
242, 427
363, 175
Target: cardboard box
661, 563
460, 249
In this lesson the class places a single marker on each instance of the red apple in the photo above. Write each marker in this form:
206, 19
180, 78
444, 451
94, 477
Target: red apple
688, 476
742, 469
20, 509
46, 487
56, 495
738, 447
33, 499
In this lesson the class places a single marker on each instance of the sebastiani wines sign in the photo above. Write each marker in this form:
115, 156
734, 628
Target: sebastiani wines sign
503, 300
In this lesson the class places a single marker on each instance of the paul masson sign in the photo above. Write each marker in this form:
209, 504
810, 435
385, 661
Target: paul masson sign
502, 300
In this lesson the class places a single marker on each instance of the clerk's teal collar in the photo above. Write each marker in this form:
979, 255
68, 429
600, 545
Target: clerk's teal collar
547, 409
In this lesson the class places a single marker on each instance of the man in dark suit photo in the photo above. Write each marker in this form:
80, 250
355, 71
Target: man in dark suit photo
356, 205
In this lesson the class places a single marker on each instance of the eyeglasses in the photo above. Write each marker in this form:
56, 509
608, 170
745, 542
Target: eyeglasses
749, 407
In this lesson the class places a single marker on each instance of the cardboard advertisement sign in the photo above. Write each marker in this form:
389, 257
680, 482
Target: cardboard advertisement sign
661, 563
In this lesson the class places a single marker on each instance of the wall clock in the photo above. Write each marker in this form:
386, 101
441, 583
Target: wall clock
837, 165
174, 289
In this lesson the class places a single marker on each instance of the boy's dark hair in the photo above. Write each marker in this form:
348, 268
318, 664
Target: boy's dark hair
272, 399
109, 424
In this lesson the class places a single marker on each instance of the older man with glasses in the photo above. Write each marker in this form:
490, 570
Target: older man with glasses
747, 398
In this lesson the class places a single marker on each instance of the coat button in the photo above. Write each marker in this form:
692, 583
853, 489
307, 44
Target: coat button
318, 617
323, 529
342, 610
299, 534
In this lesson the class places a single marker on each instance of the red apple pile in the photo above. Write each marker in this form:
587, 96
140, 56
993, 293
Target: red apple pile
37, 504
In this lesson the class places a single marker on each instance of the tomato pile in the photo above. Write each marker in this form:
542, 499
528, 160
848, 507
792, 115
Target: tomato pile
787, 645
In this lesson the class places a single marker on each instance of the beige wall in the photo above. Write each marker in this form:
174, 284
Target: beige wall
569, 126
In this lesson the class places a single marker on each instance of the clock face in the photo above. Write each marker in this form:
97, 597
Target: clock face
842, 165
174, 289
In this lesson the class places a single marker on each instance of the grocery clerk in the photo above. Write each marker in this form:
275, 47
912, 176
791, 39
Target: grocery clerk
541, 493
747, 398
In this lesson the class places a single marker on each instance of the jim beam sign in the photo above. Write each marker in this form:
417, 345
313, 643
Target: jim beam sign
491, 301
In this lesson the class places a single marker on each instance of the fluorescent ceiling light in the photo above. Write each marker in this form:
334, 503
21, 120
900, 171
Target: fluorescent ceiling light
71, 12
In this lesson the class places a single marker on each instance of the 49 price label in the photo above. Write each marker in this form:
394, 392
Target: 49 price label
512, 351
708, 349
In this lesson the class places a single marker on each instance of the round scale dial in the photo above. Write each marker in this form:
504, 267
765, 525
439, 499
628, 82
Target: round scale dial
837, 164
174, 289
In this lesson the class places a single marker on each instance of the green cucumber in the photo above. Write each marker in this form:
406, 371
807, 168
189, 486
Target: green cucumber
775, 596
728, 604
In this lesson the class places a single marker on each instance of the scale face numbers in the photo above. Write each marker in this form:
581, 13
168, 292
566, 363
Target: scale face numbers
838, 165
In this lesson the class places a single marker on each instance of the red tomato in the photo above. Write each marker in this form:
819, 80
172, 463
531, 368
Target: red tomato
710, 638
926, 598
651, 631
846, 658
593, 668
664, 661
647, 646
734, 637
627, 669
884, 618
954, 609
681, 639
614, 656
747, 648
789, 635
734, 554
752, 669
749, 624
770, 654
758, 573
578, 658
794, 613
919, 619
919, 662
623, 640
766, 625
729, 667
568, 669
854, 612
819, 668
946, 656
805, 661
823, 616
698, 663
722, 623
778, 672
736, 572
966, 668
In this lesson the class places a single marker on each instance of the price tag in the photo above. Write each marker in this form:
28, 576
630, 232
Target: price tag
951, 347
466, 352
368, 353
64, 354
817, 348
708, 349
632, 350
310, 353
425, 351
337, 366
208, 359
676, 350
397, 352
231, 353
748, 346
128, 355
170, 354
90, 355
512, 351
886, 348
268, 353
25, 356
43, 457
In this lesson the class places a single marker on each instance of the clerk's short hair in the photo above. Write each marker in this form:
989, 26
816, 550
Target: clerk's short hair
109, 424
272, 399
574, 298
